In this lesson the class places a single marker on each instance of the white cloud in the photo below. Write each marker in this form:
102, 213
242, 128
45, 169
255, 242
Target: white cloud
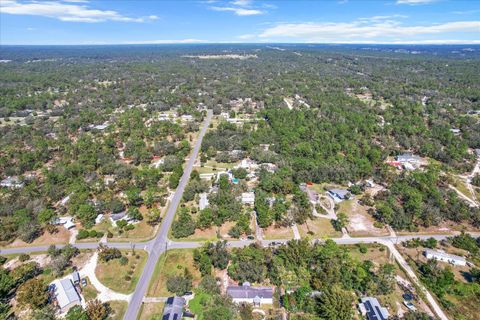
239, 11
414, 2
66, 11
363, 30
242, 3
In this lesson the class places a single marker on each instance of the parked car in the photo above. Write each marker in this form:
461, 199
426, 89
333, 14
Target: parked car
250, 237
409, 305
84, 282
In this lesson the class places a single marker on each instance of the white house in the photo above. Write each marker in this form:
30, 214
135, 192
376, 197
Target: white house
65, 294
11, 182
203, 203
248, 198
187, 117
371, 309
67, 222
99, 218
248, 294
445, 257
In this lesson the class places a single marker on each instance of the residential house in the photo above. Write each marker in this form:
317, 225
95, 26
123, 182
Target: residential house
249, 294
65, 294
203, 203
67, 222
173, 309
338, 195
248, 198
445, 257
371, 309
408, 157
187, 117
99, 218
118, 216
11, 182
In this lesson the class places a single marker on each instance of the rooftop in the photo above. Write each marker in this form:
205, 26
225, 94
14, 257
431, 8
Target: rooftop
248, 292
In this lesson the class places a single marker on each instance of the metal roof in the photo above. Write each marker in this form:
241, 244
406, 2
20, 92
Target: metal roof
247, 292
374, 310
173, 309
66, 293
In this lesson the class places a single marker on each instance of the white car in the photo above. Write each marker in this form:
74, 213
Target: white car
409, 305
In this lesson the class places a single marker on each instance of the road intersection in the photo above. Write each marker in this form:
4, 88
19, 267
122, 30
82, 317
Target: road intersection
158, 245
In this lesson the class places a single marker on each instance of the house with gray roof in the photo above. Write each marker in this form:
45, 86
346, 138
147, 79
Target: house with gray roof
65, 294
408, 157
250, 294
11, 182
173, 309
371, 309
203, 202
338, 195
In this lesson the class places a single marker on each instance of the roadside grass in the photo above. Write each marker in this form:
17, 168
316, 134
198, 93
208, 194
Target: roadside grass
151, 311
461, 186
115, 276
318, 228
118, 309
276, 232
62, 236
89, 292
171, 263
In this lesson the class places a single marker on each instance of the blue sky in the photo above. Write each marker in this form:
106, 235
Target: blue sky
183, 21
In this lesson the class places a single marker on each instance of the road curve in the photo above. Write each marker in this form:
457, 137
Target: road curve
160, 242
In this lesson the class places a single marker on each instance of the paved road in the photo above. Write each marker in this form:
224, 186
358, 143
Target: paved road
160, 242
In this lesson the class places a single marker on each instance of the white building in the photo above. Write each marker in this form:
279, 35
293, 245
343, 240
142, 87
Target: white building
67, 222
187, 117
203, 203
445, 257
11, 182
99, 218
65, 294
248, 198
248, 294
371, 309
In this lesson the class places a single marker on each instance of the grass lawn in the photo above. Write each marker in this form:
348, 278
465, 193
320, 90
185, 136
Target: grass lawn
461, 186
208, 170
118, 309
171, 263
196, 305
318, 228
151, 311
272, 233
112, 274
89, 292
62, 236
142, 232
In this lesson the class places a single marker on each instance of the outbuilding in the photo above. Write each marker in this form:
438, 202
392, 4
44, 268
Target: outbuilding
445, 257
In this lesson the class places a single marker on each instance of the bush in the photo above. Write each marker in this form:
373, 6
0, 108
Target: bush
109, 234
24, 257
127, 278
129, 227
92, 233
123, 260
3, 260
83, 234
362, 248
106, 254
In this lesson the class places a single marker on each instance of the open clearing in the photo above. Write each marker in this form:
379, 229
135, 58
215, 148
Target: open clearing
318, 228
277, 232
361, 224
171, 263
118, 308
113, 275
151, 311
62, 236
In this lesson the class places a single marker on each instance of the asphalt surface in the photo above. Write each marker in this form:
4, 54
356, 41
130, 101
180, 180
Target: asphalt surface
160, 242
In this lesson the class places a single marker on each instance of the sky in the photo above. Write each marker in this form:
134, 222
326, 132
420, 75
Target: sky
68, 22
